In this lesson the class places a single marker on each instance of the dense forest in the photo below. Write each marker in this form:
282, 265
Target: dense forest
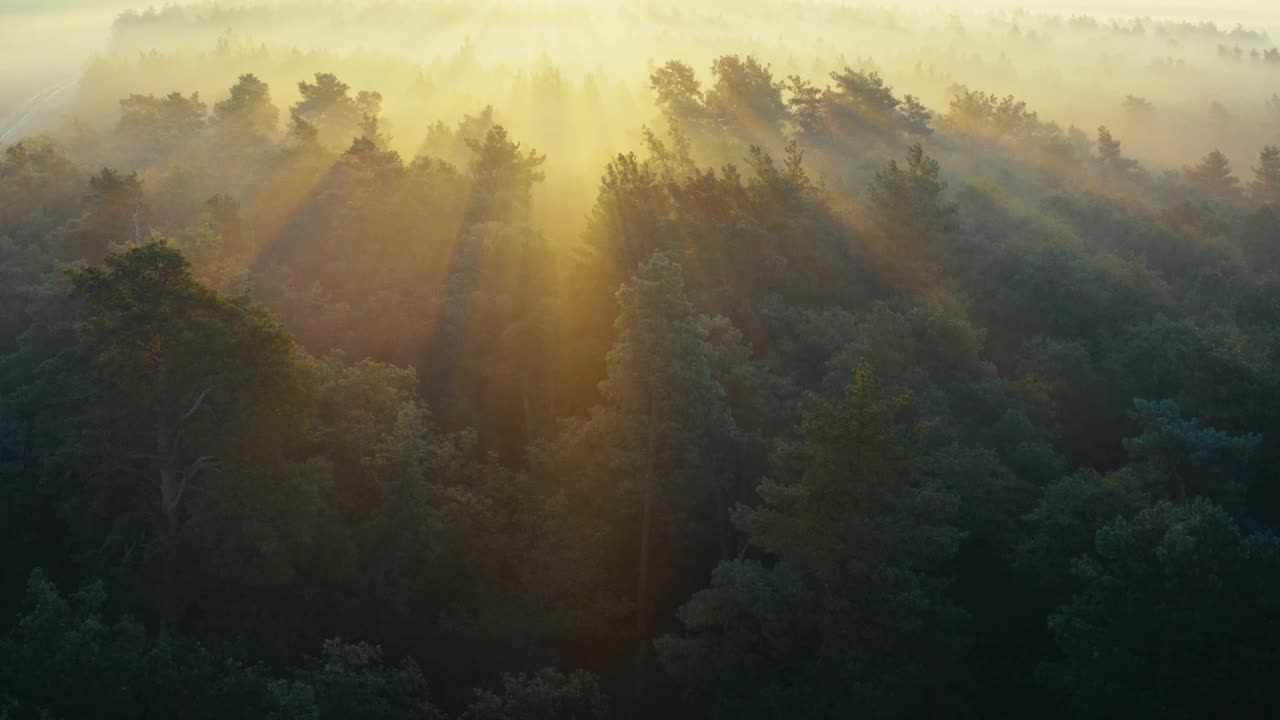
707, 387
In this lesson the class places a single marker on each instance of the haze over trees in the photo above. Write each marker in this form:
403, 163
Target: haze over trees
766, 383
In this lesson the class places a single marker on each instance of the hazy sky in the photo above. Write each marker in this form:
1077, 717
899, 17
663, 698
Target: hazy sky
46, 42
1263, 14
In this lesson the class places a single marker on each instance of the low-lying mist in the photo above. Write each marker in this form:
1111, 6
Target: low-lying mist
572, 78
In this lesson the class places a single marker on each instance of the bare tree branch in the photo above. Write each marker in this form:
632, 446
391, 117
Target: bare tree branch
197, 467
195, 406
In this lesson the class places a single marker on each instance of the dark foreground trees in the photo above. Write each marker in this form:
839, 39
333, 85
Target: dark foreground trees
845, 612
1174, 618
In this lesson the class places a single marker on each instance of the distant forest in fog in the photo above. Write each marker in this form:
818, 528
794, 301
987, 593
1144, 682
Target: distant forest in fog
533, 361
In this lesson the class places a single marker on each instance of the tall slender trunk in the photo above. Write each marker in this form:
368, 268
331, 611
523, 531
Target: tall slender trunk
724, 500
167, 441
722, 521
167, 458
526, 409
644, 608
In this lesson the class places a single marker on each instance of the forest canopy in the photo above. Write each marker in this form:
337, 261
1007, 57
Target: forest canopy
577, 361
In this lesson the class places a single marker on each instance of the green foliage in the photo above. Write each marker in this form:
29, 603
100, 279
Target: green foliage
1265, 186
353, 681
1114, 165
1261, 237
908, 200
847, 613
665, 423
678, 91
626, 219
1166, 358
1068, 514
115, 214
503, 176
453, 144
1064, 370
857, 109
545, 695
219, 245
154, 127
1212, 178
168, 399
496, 332
652, 467
933, 352
39, 187
63, 658
248, 114
327, 111
447, 525
321, 283
984, 114
744, 99
1181, 458
1173, 619
503, 440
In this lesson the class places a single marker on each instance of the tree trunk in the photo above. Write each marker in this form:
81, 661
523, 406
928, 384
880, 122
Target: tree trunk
722, 520
643, 607
526, 409
170, 482
167, 441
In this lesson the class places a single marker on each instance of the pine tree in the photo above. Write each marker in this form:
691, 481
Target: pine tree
167, 387
844, 613
503, 176
1175, 618
1212, 177
248, 115
1265, 187
1115, 166
655, 453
